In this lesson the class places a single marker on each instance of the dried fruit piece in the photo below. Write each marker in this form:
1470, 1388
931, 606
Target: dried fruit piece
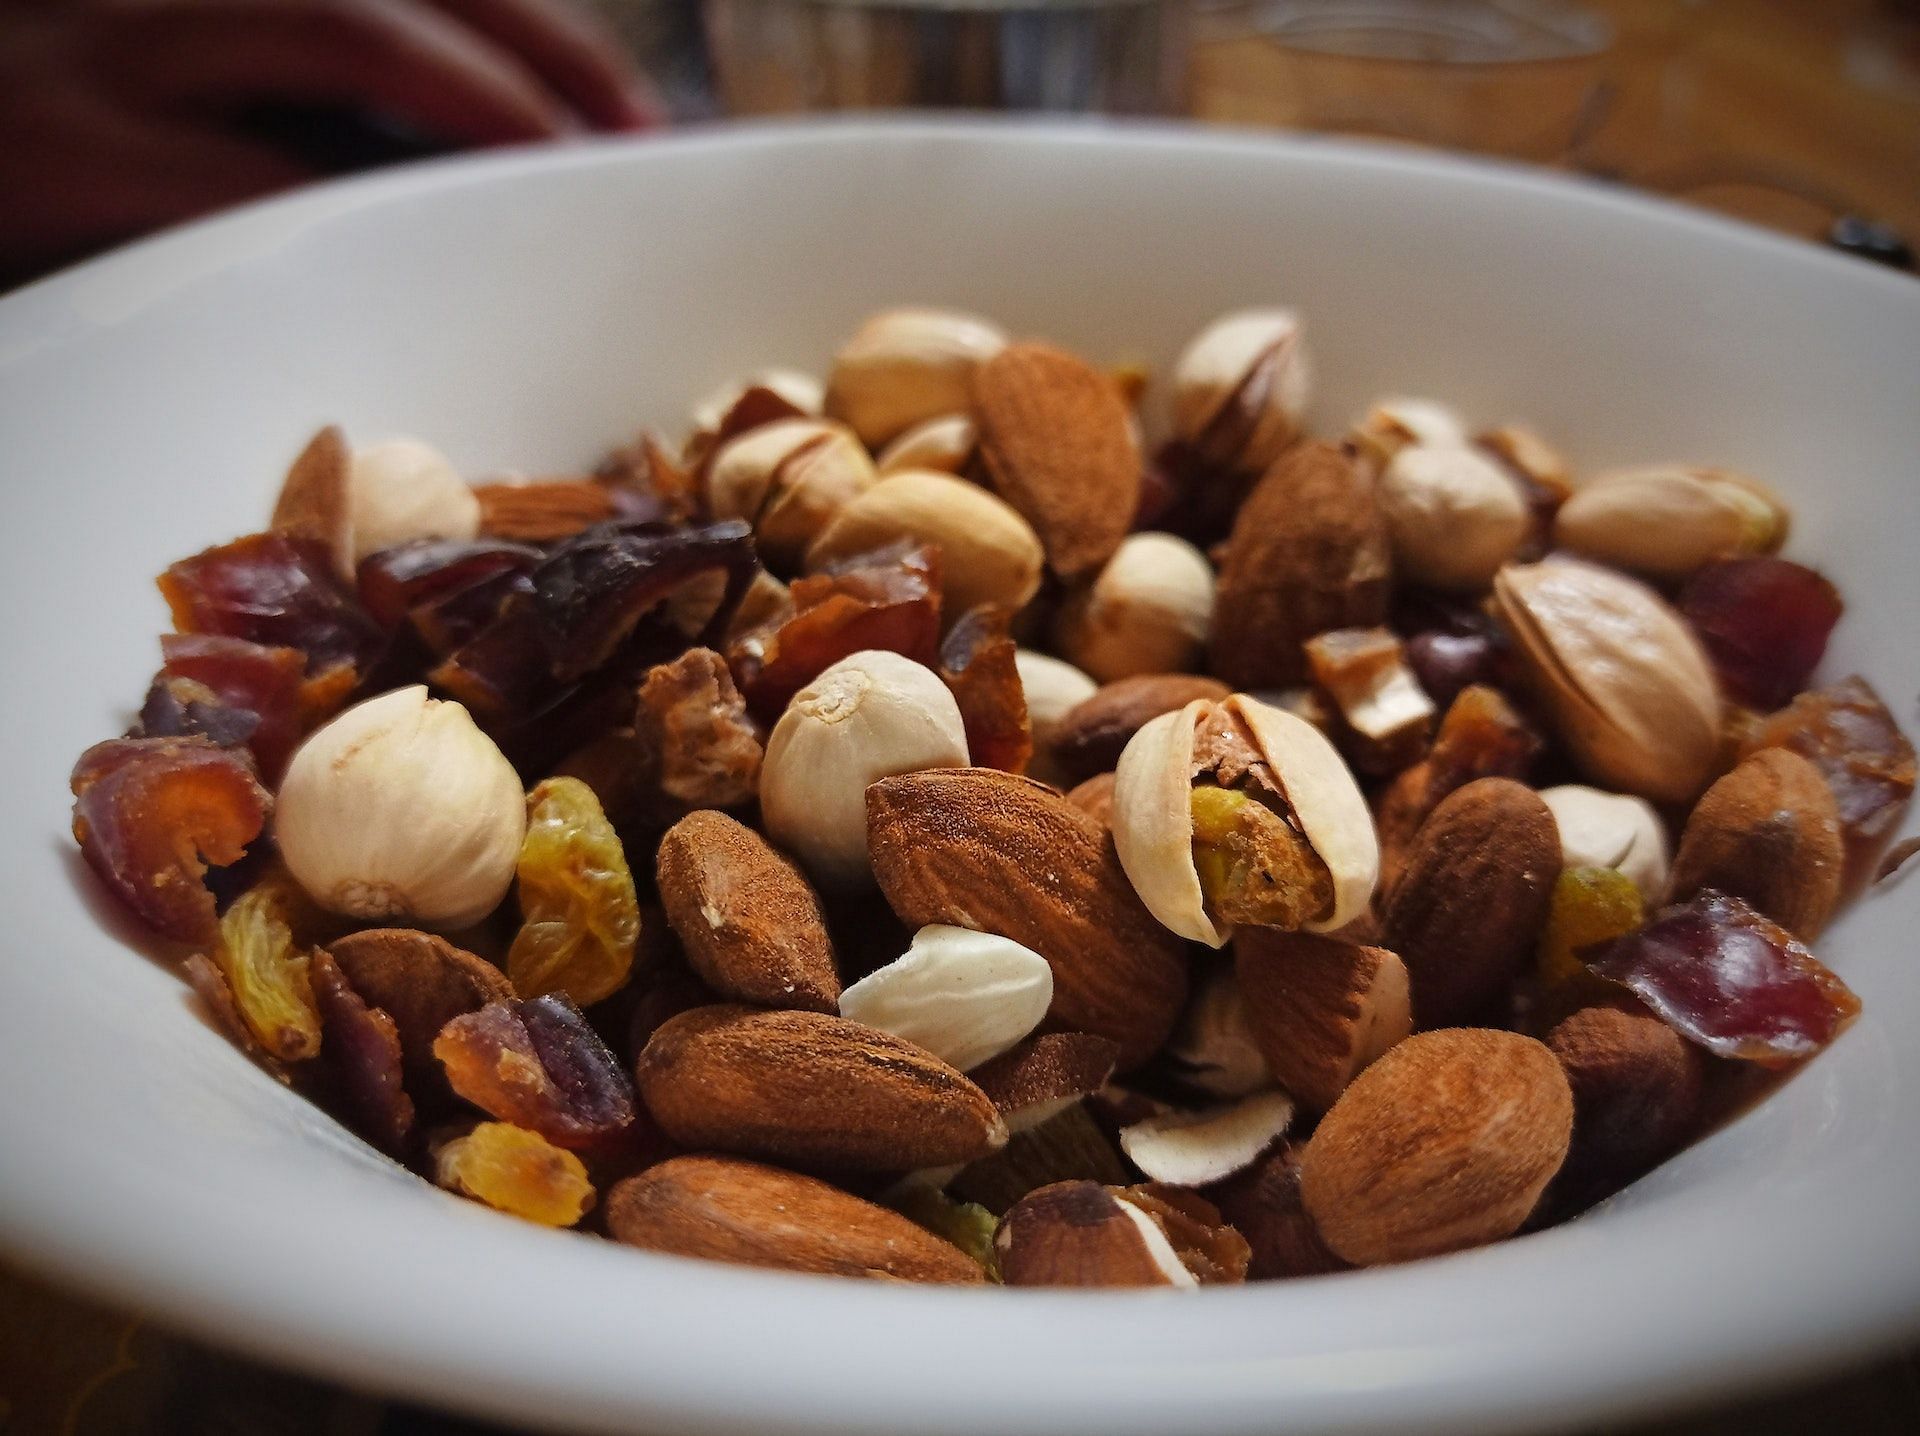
1213, 1251
1846, 732
423, 982
205, 978
1765, 624
1727, 978
977, 665
1590, 908
362, 1047
274, 590
727, 1209
517, 1172
415, 575
1263, 1203
1387, 712
538, 1065
1481, 736
152, 814
241, 678
266, 971
580, 916
1769, 834
1636, 1093
695, 726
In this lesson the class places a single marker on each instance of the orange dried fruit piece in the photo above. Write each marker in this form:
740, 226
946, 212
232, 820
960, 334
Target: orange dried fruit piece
267, 971
517, 1172
151, 815
581, 916
976, 664
1590, 907
539, 1065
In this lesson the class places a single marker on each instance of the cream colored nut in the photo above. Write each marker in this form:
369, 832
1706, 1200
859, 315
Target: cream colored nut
788, 479
802, 393
1530, 456
402, 810
945, 444
1147, 611
1669, 519
1611, 830
964, 996
905, 366
1153, 823
403, 489
1453, 516
1214, 1049
1052, 687
1190, 1149
988, 553
1629, 687
1365, 672
1390, 425
1240, 389
871, 715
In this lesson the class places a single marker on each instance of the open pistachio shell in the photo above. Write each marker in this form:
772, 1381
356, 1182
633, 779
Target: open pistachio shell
1153, 817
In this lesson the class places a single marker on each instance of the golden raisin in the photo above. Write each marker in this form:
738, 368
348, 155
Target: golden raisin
518, 1172
1590, 906
582, 918
267, 971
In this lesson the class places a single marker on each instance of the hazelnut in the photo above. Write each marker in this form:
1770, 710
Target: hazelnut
1390, 425
946, 444
1636, 1091
871, 715
788, 478
1080, 1233
1147, 610
1052, 687
1667, 520
1453, 516
1240, 389
1611, 830
402, 809
403, 489
905, 366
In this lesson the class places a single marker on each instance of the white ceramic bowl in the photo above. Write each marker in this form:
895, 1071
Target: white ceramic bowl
529, 309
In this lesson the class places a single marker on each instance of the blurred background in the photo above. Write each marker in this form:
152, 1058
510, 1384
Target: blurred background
121, 116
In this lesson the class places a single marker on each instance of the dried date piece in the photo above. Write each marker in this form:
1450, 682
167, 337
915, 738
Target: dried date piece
517, 1172
266, 970
693, 724
398, 580
1741, 986
362, 1047
1764, 622
1263, 1204
650, 483
274, 590
581, 918
152, 814
539, 1065
246, 686
976, 663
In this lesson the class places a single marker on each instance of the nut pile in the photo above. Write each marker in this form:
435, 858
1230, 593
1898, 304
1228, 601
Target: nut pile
916, 829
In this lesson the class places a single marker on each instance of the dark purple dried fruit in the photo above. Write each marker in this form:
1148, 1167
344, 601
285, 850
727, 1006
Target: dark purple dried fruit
1764, 622
362, 1047
537, 1064
274, 590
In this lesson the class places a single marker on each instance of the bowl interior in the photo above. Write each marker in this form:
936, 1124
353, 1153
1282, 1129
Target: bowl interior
524, 312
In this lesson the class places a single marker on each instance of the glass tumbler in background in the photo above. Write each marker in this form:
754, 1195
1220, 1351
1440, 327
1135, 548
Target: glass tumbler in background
1504, 77
1082, 56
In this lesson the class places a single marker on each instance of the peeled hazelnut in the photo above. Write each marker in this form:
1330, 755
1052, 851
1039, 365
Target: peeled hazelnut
1453, 516
1669, 519
1240, 388
945, 444
403, 489
1391, 425
1053, 687
905, 366
1611, 830
1191, 1149
1146, 611
964, 996
788, 479
1234, 812
988, 553
871, 715
401, 809
1629, 686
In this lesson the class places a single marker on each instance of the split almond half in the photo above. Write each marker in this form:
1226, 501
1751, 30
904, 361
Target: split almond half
1320, 1008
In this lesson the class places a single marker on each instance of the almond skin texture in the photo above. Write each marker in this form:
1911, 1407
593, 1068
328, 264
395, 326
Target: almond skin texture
751, 926
1081, 1234
421, 981
1767, 832
1320, 1009
811, 1091
1055, 436
728, 1210
978, 848
1473, 897
1094, 733
1308, 553
1444, 1143
1636, 1093
543, 512
1044, 1070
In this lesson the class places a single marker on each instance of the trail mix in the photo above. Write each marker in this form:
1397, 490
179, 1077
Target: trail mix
912, 829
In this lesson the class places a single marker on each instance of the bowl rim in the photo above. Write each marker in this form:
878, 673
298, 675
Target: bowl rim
431, 1345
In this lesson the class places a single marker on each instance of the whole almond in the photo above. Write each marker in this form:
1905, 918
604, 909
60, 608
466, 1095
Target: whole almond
1444, 1143
1768, 832
1094, 733
973, 847
1058, 443
1320, 1009
750, 924
422, 982
725, 1209
1308, 553
1473, 897
1095, 798
811, 1090
543, 512
313, 501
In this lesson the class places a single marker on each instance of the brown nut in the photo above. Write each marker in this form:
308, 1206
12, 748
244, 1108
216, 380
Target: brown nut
1084, 1234
1446, 1142
788, 479
1767, 832
1263, 1204
1321, 1009
421, 981
1091, 737
1636, 1092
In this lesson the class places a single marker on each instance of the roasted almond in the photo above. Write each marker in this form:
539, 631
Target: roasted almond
725, 1209
1094, 733
421, 981
543, 512
1044, 1075
314, 503
1320, 1009
1058, 444
1767, 832
1308, 553
973, 847
1473, 897
1095, 798
1444, 1143
750, 923
811, 1090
